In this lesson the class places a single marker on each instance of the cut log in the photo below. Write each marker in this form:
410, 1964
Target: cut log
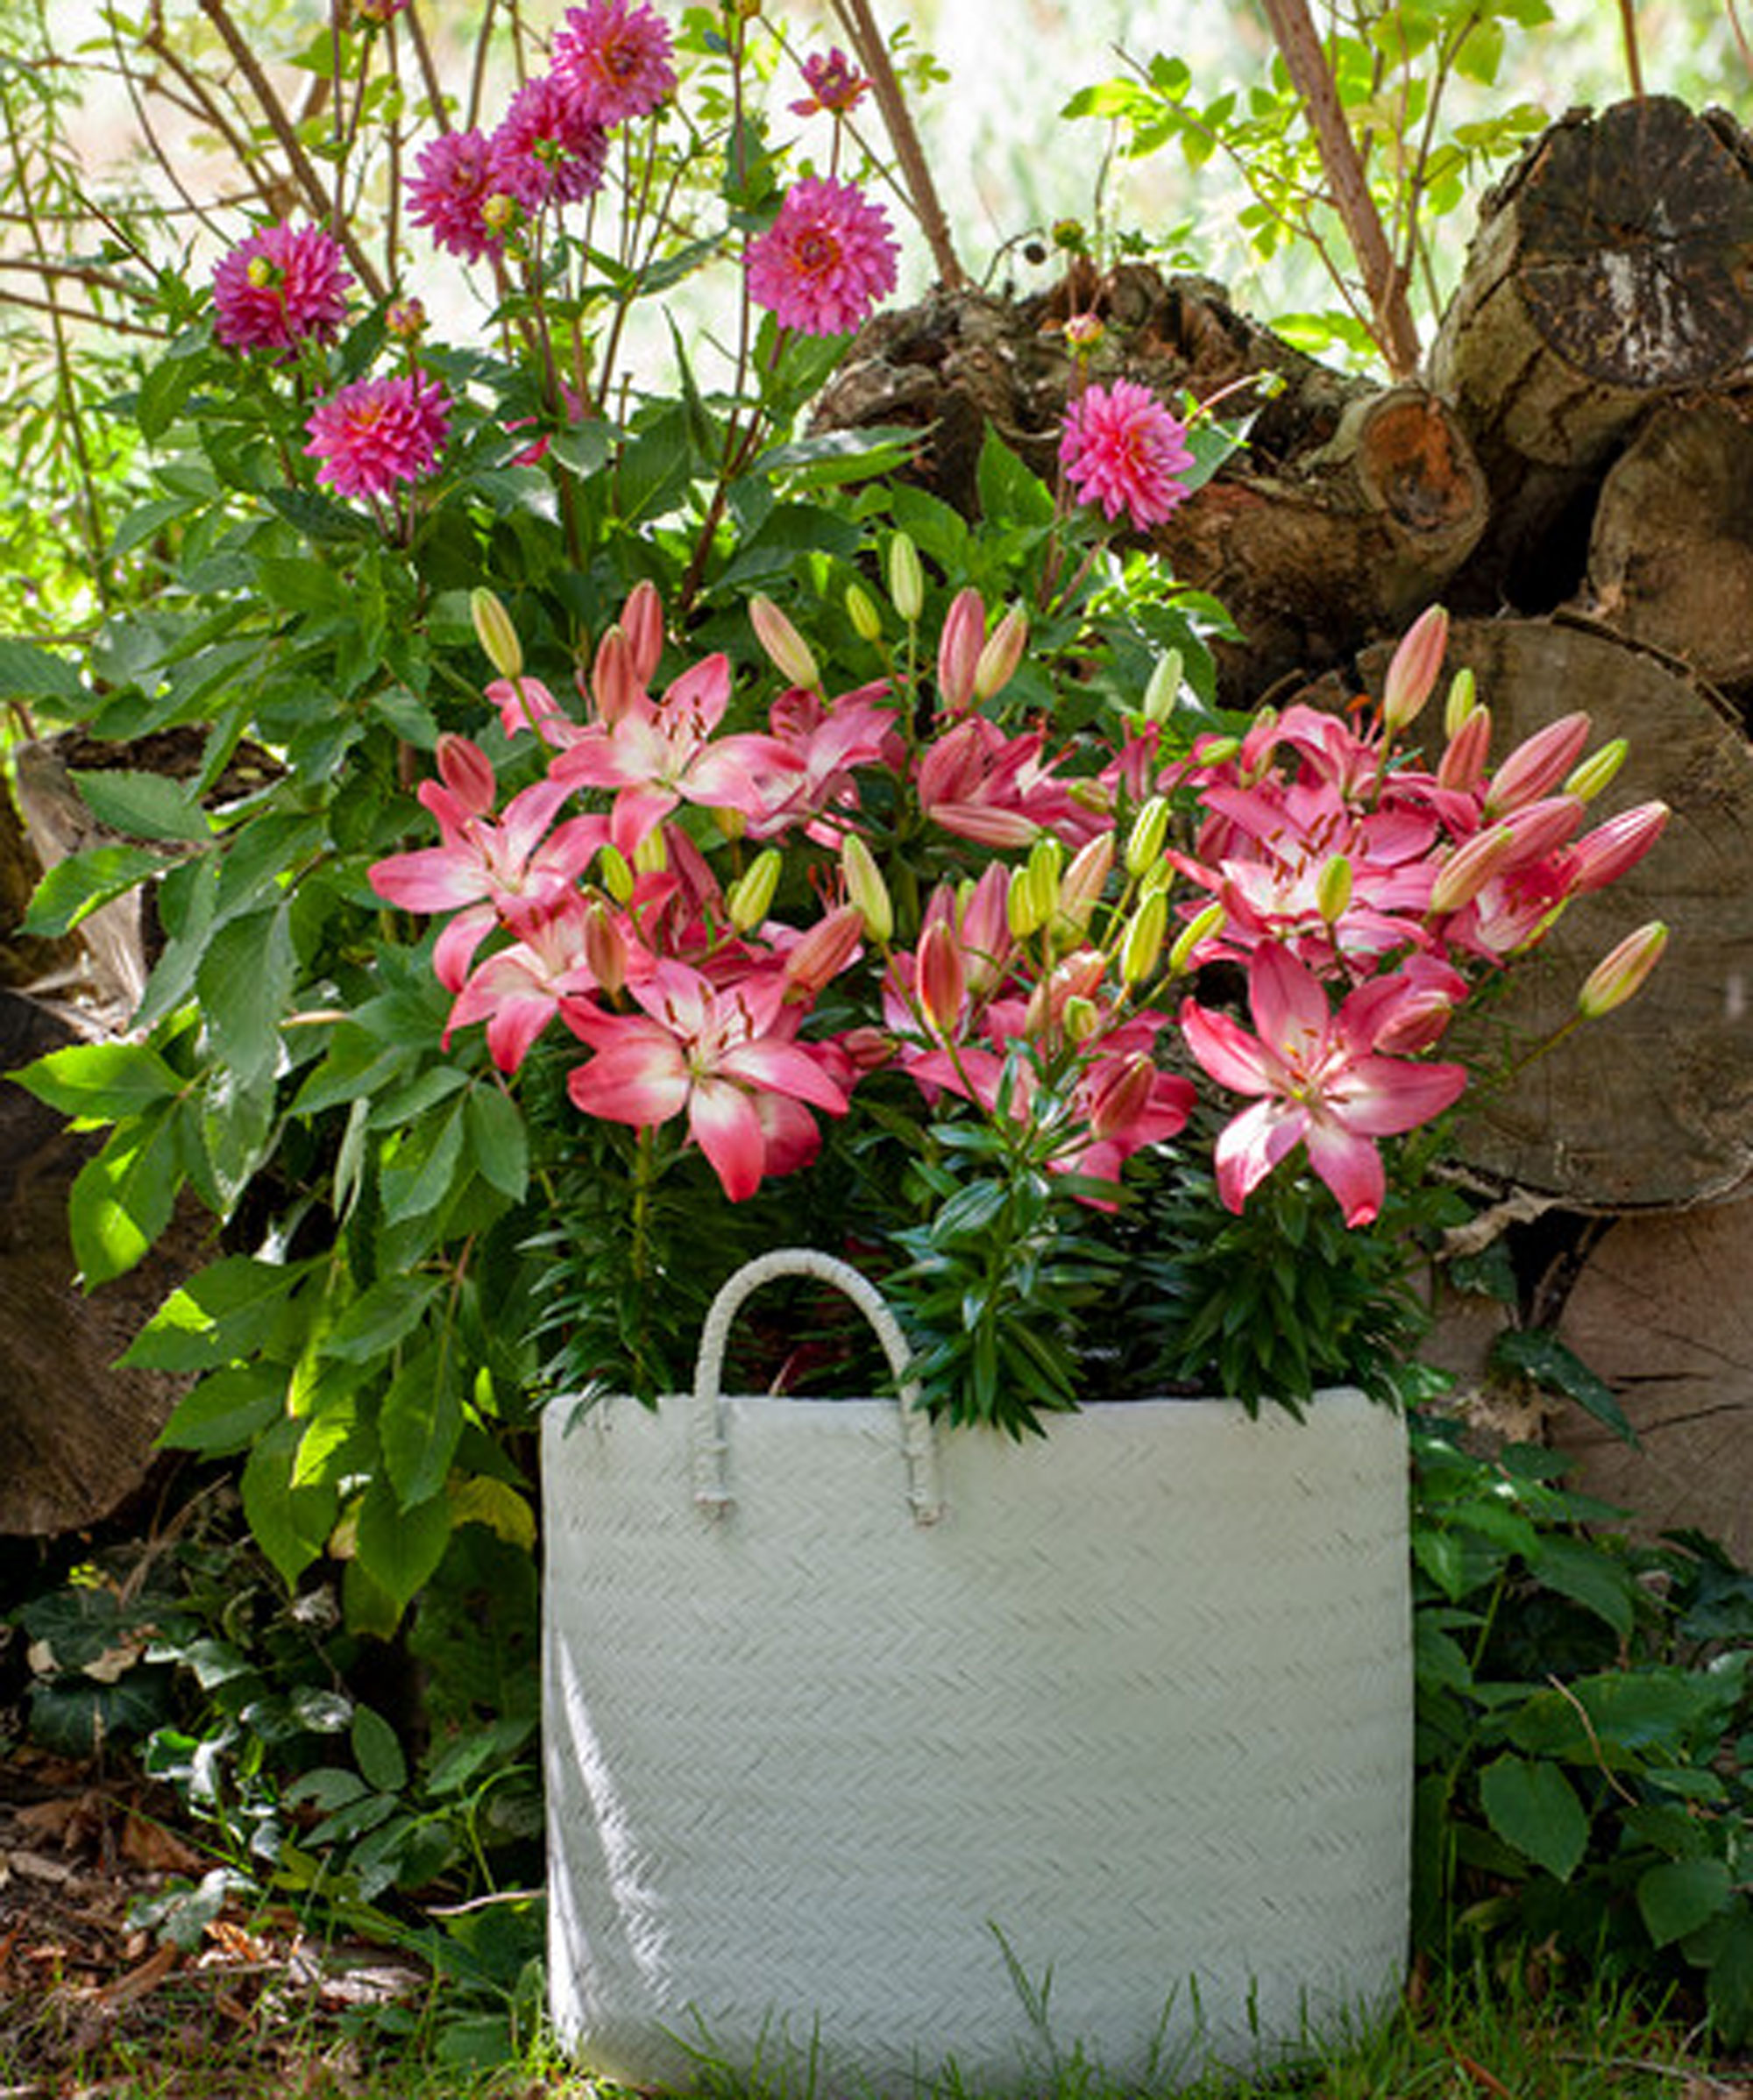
1670, 556
77, 1435
1610, 271
1662, 1313
1349, 509
1652, 1106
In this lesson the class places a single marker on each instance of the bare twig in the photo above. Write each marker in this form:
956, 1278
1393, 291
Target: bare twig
429, 71
1740, 35
1633, 64
1295, 34
898, 119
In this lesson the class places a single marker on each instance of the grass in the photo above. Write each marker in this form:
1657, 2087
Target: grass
1484, 2035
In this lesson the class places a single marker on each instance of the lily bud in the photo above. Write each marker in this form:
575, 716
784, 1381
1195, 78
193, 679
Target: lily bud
939, 983
1142, 944
730, 823
825, 949
1144, 842
1205, 924
985, 933
906, 578
616, 685
1164, 689
1334, 889
1537, 766
1621, 973
616, 874
750, 896
1597, 770
786, 648
605, 944
493, 630
1081, 1019
1469, 867
1002, 653
1216, 751
1540, 827
1412, 669
642, 621
1024, 910
651, 855
1084, 882
1462, 766
866, 888
861, 610
959, 648
1459, 705
1121, 1094
467, 771
1612, 849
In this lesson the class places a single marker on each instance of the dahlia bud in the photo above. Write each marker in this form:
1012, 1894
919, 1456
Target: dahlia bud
495, 633
866, 888
405, 319
1621, 973
786, 648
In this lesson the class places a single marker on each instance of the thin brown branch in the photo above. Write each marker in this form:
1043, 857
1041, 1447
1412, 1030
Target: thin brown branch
77, 315
1295, 34
1740, 35
434, 88
1634, 63
897, 120
304, 174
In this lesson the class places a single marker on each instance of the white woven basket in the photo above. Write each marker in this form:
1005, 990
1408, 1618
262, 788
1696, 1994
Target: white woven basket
1136, 1713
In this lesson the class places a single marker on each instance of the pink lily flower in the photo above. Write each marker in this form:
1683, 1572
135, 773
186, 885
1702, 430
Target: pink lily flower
519, 990
1318, 1081
709, 1054
656, 753
484, 869
978, 782
829, 740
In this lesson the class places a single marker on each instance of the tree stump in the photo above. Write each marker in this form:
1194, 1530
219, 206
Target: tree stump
1651, 1107
1662, 1313
1610, 271
1670, 555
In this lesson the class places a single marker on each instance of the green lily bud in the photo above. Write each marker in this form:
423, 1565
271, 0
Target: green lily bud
1203, 926
866, 889
651, 855
1597, 770
616, 874
1164, 689
1144, 936
1081, 1018
906, 578
495, 633
860, 609
750, 896
1144, 842
1459, 704
1334, 889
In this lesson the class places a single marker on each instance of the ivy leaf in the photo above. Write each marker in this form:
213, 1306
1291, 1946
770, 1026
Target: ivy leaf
1533, 1806
1536, 1353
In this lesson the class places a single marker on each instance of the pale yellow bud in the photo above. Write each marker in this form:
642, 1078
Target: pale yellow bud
906, 578
1142, 945
495, 633
866, 889
750, 896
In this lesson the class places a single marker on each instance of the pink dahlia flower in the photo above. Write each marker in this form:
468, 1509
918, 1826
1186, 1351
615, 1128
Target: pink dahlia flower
449, 191
613, 59
825, 261
280, 287
1122, 449
379, 11
375, 433
545, 151
833, 82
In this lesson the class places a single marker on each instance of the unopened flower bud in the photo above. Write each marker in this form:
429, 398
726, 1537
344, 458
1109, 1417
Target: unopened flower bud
1002, 653
651, 855
866, 888
1205, 924
939, 983
1469, 867
786, 648
750, 896
405, 319
1412, 669
1081, 1018
1334, 889
906, 578
642, 621
1121, 1094
1613, 849
1084, 332
1462, 688
1142, 945
959, 648
1144, 842
1068, 234
1217, 750
495, 633
732, 824
498, 212
1164, 689
825, 949
259, 270
1462, 765
1618, 976
1536, 765
616, 874
1082, 887
860, 609
467, 771
605, 946
1597, 770
1024, 910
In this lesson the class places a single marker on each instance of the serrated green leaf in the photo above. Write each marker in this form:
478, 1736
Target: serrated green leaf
381, 1317
227, 1410
79, 884
399, 1549
419, 1424
1589, 1577
101, 1083
499, 1144
29, 673
244, 981
1680, 1896
424, 1169
121, 1200
291, 1522
319, 517
144, 805
227, 1309
1533, 1806
379, 1751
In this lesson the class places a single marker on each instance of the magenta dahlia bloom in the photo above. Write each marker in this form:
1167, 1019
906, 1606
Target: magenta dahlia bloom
280, 287
449, 191
825, 261
833, 82
545, 150
1122, 449
613, 58
375, 433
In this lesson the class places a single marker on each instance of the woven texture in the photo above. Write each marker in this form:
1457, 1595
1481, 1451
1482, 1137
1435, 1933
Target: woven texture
1139, 1703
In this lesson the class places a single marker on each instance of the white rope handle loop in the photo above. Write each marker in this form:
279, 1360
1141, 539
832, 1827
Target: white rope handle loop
918, 1437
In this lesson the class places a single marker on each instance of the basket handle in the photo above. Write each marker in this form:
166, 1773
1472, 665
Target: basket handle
919, 1435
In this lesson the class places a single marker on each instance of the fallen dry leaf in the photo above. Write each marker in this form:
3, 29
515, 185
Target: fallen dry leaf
147, 1844
138, 1982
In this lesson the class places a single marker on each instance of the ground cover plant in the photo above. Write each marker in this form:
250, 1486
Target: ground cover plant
350, 519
